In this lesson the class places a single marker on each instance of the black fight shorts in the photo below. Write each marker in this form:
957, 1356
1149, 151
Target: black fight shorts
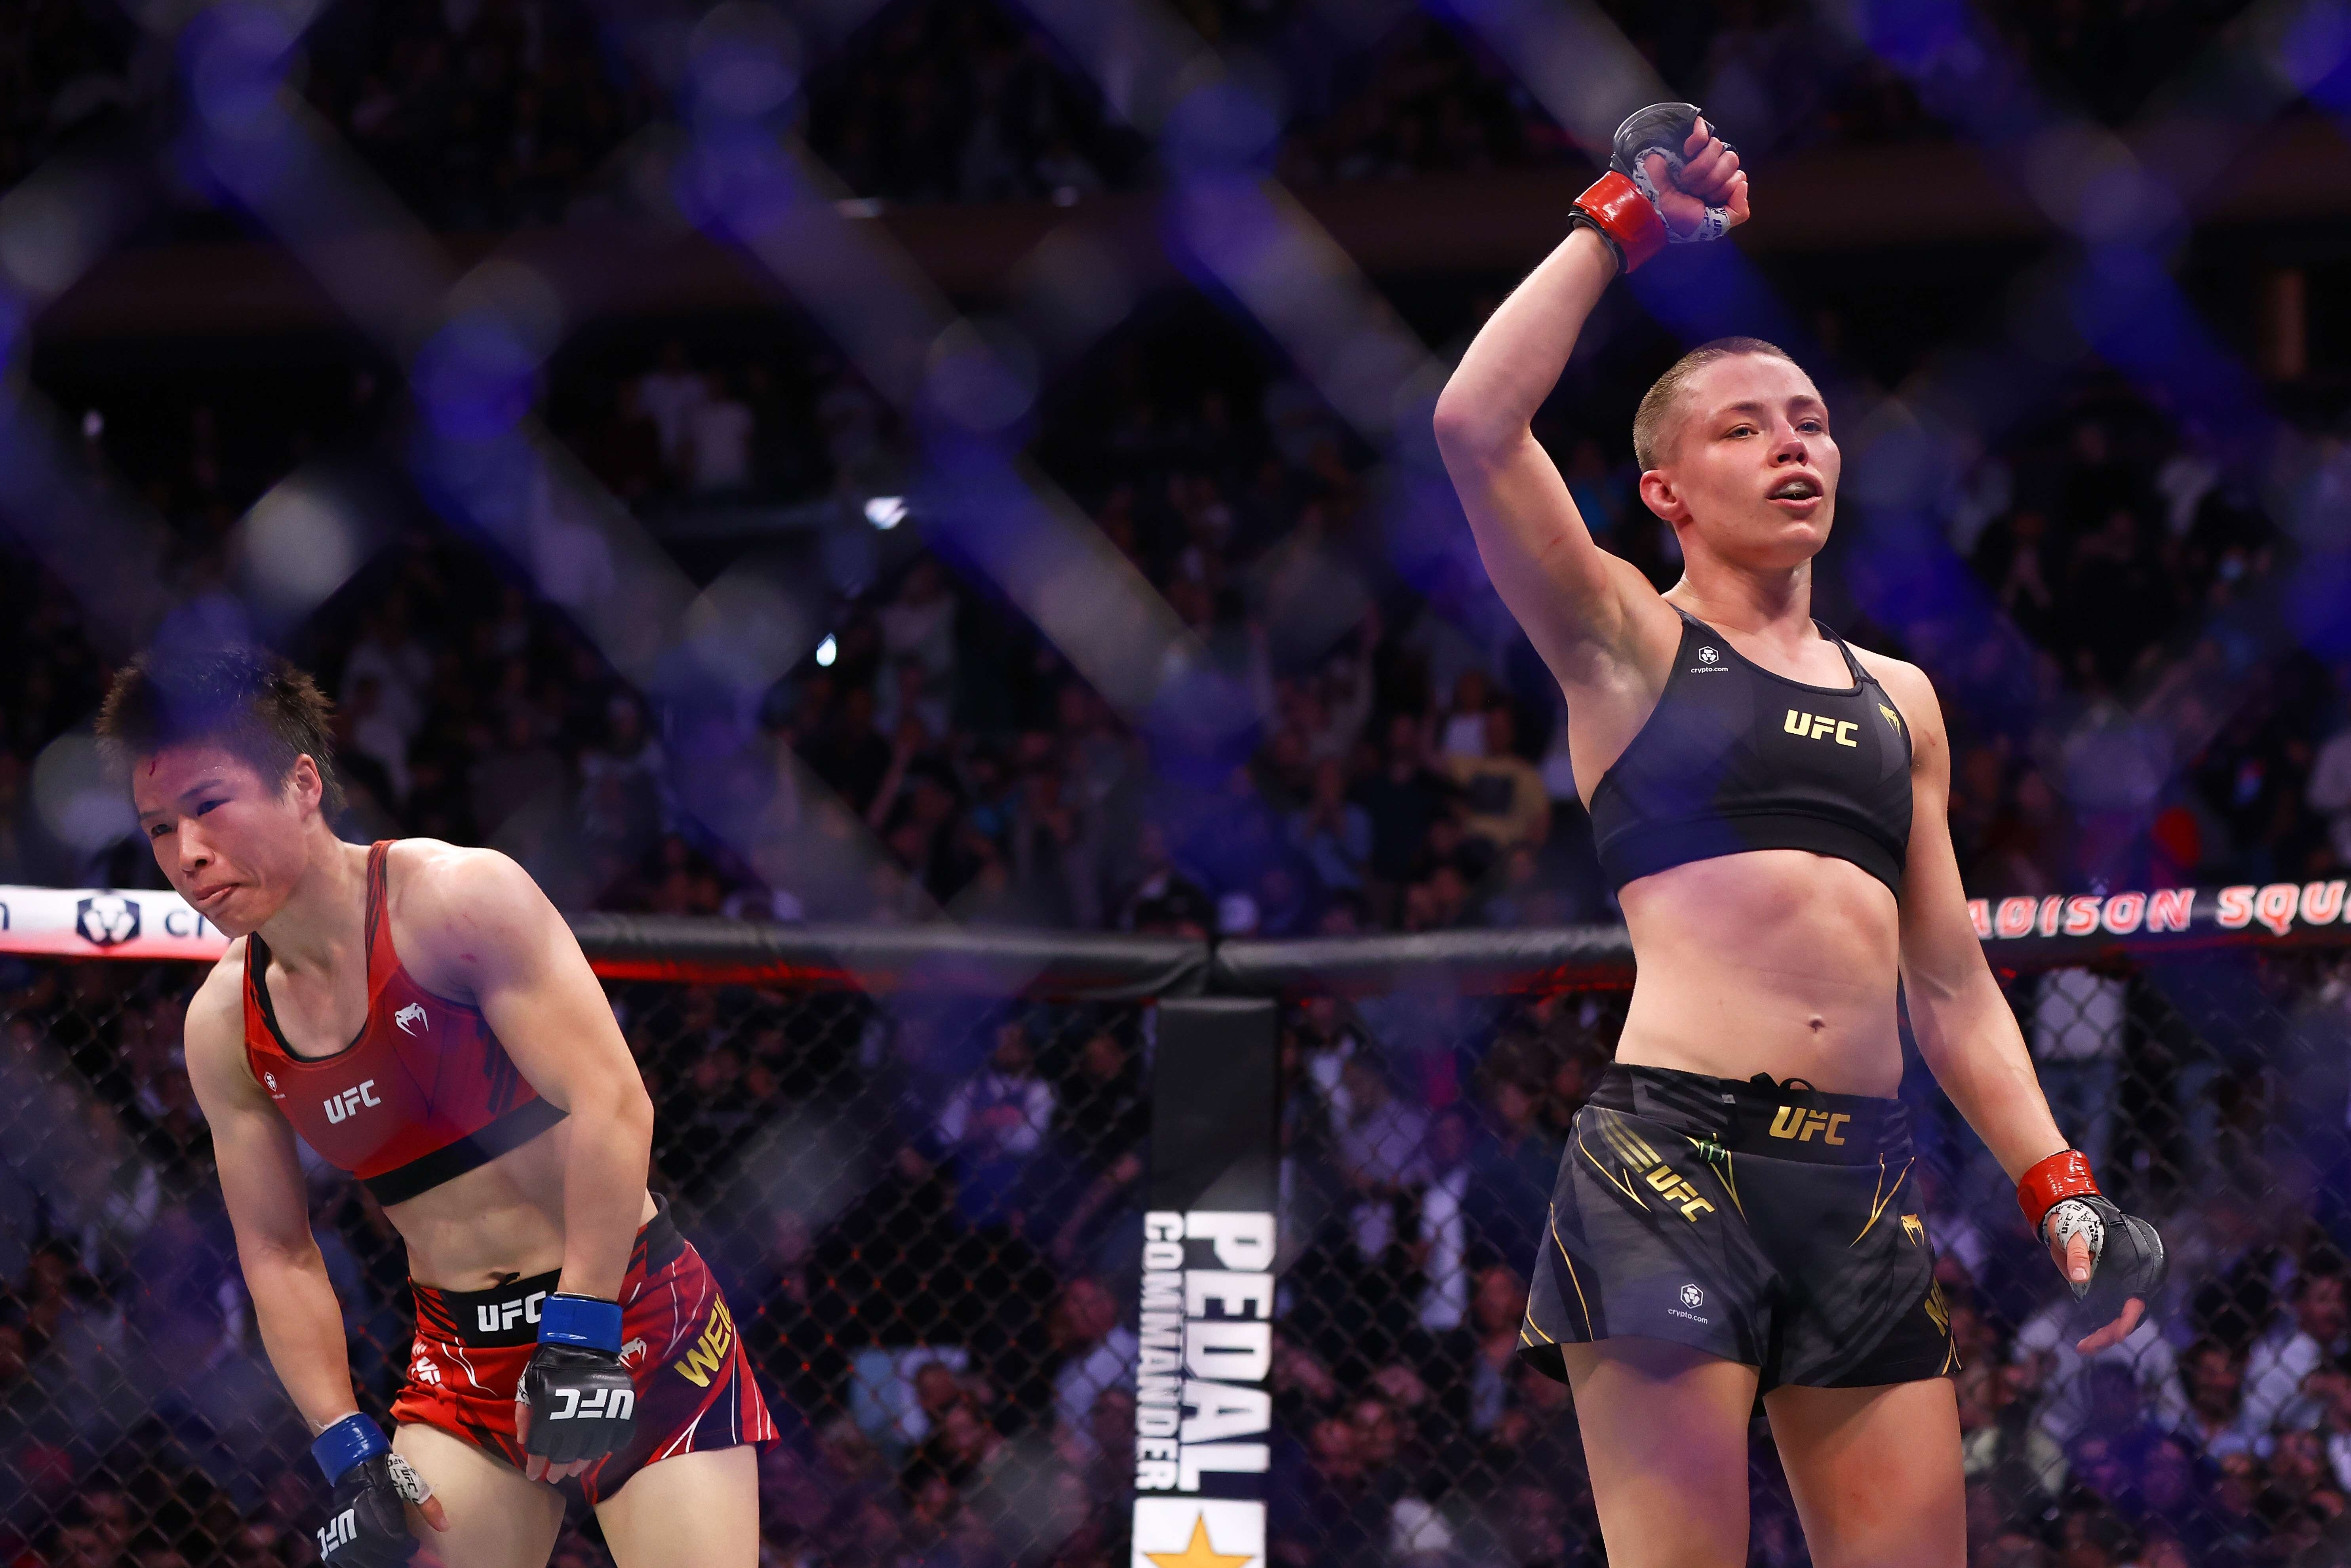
1770, 1226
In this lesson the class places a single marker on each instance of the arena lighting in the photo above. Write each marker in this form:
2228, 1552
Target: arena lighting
78, 800
299, 544
886, 512
827, 650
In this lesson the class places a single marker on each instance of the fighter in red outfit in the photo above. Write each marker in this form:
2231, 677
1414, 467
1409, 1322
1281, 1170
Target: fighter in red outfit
421, 1015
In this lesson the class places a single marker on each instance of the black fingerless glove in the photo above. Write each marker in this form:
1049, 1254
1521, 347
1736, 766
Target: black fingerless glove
576, 1399
2060, 1200
2127, 1256
366, 1526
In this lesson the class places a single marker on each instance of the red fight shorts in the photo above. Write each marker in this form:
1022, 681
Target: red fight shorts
695, 1388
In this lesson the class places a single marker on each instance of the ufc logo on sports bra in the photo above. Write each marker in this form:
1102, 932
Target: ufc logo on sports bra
342, 1105
1819, 726
1799, 1125
493, 1317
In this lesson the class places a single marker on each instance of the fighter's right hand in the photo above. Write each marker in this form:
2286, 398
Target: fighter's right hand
1702, 195
366, 1525
1671, 180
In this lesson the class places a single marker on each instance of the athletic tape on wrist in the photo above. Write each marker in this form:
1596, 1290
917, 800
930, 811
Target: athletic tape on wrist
351, 1442
1615, 205
2063, 1174
584, 1321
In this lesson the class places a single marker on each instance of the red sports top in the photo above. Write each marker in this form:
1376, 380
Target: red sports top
424, 1094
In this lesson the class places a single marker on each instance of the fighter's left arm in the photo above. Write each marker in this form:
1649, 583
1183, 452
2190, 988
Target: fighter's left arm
1966, 1030
477, 922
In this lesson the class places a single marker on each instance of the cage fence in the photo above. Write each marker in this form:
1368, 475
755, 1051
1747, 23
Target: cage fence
919, 1172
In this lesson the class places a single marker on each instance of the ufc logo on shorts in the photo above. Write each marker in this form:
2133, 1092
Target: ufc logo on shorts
618, 1404
1816, 726
1791, 1123
339, 1532
492, 1317
351, 1100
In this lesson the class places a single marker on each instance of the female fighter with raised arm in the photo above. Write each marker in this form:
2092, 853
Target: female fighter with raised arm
1770, 805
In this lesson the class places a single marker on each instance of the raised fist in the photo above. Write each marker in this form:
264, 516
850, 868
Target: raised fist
1687, 172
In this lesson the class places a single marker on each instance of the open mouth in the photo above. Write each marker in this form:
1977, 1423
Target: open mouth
1797, 487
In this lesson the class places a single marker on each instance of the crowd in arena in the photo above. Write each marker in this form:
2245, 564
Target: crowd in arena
485, 114
927, 1215
2119, 715
923, 1209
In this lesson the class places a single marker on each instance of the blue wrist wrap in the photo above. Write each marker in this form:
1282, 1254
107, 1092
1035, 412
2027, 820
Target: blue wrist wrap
582, 1321
348, 1442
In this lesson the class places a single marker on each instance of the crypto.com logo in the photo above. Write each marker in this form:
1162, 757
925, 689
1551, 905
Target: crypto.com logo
106, 919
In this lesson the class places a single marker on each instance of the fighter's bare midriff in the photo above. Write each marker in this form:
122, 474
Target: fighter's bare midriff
1776, 961
497, 1221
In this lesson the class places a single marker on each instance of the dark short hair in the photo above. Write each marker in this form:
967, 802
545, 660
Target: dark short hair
253, 702
1653, 420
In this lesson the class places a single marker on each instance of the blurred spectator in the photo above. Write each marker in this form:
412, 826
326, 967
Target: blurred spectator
520, 771
670, 393
1332, 831
1402, 799
2315, 1331
2216, 1417
2045, 1342
1097, 1352
717, 439
996, 1121
2330, 793
1503, 802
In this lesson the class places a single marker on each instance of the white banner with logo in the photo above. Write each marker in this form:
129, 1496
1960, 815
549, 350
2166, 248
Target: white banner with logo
98, 923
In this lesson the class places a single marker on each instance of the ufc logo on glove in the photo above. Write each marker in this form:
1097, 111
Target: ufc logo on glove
339, 1532
603, 1404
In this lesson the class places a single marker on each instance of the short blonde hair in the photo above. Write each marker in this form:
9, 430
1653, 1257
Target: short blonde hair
1653, 420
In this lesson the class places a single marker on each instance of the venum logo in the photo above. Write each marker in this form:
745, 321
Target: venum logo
410, 1017
634, 1352
106, 919
1913, 1229
339, 1106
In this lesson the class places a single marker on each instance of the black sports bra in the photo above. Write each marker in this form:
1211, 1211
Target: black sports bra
1735, 758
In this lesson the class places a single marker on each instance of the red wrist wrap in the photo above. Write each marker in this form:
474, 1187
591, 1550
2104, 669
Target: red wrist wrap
1625, 215
2063, 1174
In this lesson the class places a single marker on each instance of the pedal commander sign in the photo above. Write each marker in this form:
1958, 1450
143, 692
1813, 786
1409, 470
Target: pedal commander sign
98, 923
1204, 1408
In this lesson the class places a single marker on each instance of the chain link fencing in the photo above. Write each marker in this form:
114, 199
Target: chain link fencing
924, 1195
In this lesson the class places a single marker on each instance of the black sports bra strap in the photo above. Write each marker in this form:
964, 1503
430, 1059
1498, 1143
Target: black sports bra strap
1860, 676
